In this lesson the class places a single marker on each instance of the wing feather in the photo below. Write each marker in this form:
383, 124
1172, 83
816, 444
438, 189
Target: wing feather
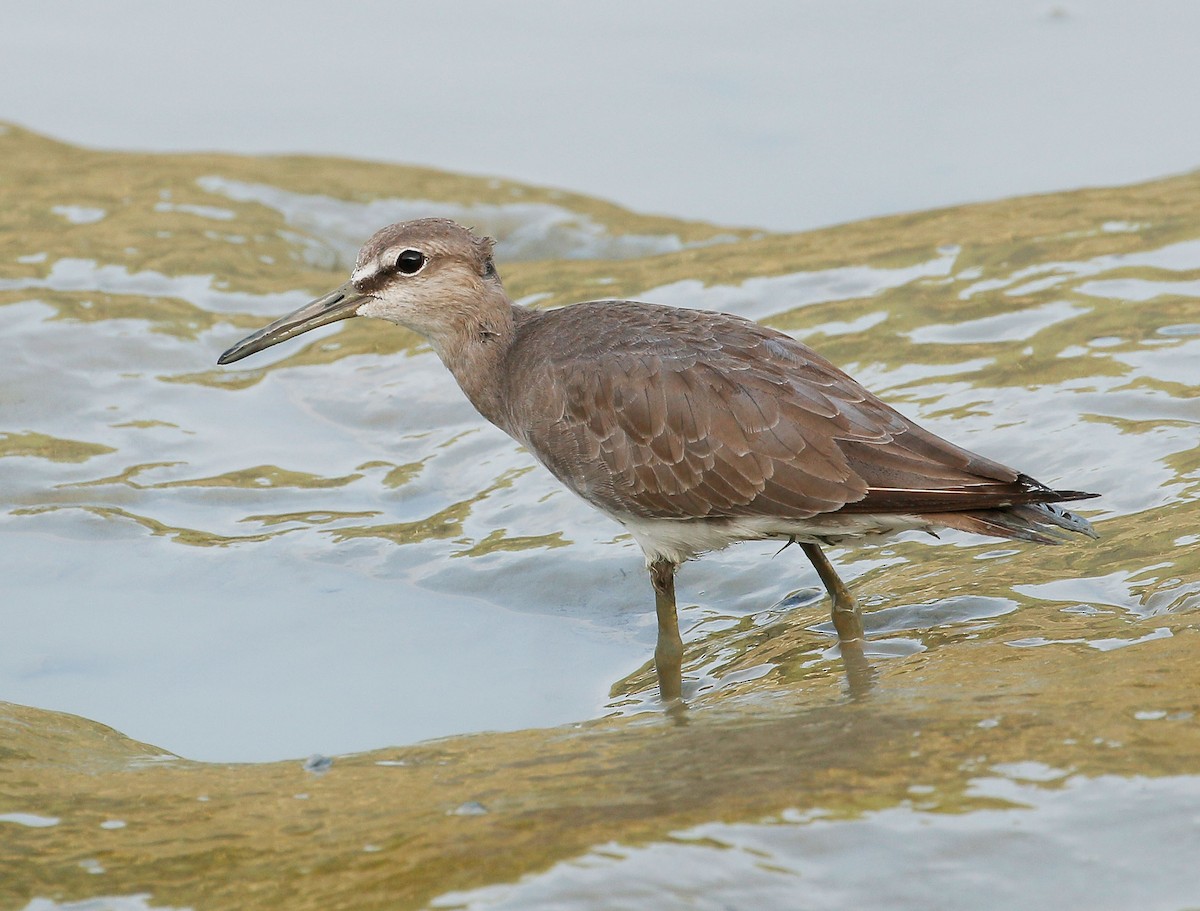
659, 412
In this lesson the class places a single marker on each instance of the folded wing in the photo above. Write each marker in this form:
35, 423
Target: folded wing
666, 413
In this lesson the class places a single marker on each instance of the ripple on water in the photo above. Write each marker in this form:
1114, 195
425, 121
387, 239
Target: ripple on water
524, 230
101, 903
1106, 836
335, 525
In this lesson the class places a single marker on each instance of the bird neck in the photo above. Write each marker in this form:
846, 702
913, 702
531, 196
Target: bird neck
473, 346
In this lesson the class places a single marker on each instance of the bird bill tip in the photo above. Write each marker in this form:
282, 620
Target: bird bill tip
339, 304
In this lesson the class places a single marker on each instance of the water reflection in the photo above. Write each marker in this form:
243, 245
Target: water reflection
808, 859
369, 565
860, 675
1002, 341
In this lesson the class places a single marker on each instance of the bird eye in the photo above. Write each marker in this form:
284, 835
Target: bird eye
410, 262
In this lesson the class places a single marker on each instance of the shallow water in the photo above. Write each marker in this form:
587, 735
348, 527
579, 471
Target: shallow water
325, 550
982, 859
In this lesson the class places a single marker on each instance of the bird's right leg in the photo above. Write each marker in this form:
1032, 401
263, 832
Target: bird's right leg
847, 618
668, 653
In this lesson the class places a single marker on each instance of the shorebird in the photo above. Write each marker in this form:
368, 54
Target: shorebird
693, 429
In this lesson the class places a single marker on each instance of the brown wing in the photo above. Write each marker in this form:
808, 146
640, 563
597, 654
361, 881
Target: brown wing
669, 413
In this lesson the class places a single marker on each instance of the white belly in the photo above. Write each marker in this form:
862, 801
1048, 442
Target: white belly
681, 539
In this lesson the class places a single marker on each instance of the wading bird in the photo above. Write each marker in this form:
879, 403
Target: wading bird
692, 429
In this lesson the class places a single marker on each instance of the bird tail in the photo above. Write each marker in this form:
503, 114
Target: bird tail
1041, 523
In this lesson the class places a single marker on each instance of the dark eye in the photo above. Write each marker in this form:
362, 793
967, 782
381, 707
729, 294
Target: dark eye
410, 261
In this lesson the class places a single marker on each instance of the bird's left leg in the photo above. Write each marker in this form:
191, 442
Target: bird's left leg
668, 653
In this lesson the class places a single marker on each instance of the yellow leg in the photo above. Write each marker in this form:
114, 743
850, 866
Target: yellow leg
847, 618
668, 653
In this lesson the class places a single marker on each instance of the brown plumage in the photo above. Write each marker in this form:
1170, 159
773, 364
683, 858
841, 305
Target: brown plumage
694, 429
668, 413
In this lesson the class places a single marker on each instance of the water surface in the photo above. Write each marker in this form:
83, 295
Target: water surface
785, 116
325, 551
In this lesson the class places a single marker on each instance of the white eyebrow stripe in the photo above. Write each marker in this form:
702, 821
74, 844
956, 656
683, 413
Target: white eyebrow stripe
365, 272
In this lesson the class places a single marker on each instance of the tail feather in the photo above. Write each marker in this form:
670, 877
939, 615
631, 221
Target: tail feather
1039, 523
1056, 515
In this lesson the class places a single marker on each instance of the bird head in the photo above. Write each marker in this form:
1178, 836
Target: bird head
430, 275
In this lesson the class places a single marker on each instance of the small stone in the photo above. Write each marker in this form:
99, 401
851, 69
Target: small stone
317, 764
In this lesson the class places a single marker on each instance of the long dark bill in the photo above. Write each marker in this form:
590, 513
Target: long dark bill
342, 303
